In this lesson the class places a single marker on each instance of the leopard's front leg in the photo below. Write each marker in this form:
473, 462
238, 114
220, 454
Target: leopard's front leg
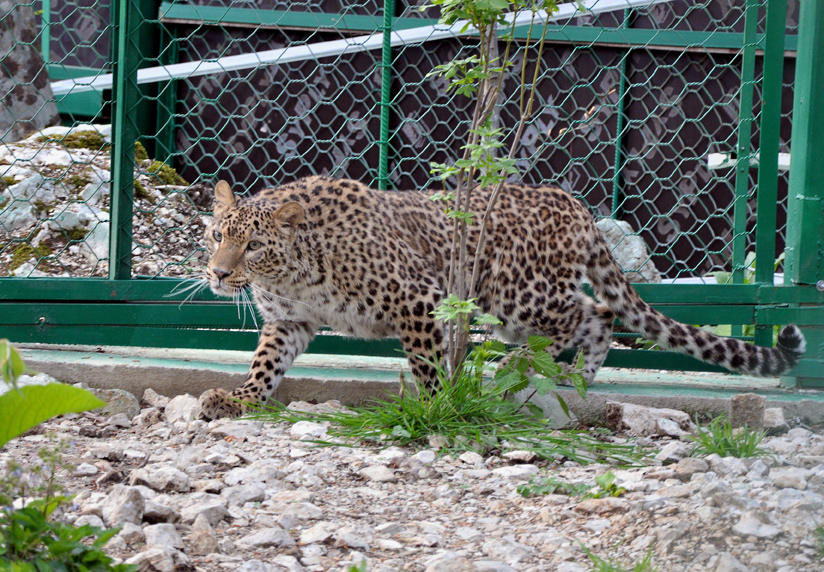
280, 343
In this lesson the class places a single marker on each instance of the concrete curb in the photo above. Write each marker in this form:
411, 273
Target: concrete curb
353, 380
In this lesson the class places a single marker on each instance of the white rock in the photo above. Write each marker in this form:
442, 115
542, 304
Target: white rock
86, 470
509, 551
320, 532
182, 408
161, 477
519, 456
471, 458
131, 533
267, 537
212, 510
303, 428
202, 539
426, 457
354, 536
123, 504
516, 471
751, 525
91, 520
789, 477
377, 473
241, 494
160, 535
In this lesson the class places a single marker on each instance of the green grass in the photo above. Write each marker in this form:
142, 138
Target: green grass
473, 413
601, 565
88, 139
166, 174
140, 153
818, 532
720, 437
26, 251
538, 486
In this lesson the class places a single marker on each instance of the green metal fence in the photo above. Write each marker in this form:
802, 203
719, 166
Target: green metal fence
670, 117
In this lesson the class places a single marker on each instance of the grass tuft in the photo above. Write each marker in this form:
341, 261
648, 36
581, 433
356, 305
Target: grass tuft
601, 565
166, 174
470, 414
720, 437
538, 486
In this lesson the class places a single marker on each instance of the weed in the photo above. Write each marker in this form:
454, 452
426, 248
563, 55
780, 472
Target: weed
76, 234
140, 153
140, 192
166, 174
468, 413
87, 139
550, 486
25, 251
7, 182
818, 532
720, 437
41, 206
78, 181
608, 486
601, 565
359, 567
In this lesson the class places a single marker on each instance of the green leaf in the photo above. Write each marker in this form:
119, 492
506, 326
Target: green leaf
543, 363
33, 404
487, 319
564, 406
543, 385
579, 383
11, 364
538, 343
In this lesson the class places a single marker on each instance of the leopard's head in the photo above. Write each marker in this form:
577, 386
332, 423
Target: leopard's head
249, 238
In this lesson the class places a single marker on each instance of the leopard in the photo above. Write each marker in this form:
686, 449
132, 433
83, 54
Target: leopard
369, 263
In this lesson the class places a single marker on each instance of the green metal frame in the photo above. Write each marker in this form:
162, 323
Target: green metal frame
126, 311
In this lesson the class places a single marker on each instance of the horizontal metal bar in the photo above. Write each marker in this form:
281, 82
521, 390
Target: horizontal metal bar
334, 48
589, 35
800, 316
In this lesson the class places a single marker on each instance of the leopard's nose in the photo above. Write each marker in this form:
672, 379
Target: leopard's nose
221, 273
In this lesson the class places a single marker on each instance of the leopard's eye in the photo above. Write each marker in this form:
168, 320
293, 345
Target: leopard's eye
254, 245
218, 236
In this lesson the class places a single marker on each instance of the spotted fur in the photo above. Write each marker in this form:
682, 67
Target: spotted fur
373, 264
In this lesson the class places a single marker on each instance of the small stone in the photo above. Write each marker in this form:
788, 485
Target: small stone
353, 537
686, 467
377, 473
154, 399
154, 513
202, 539
673, 452
267, 537
148, 417
516, 471
437, 441
119, 420
596, 525
519, 456
469, 534
212, 510
509, 551
239, 495
471, 458
123, 504
162, 535
161, 478
425, 457
747, 410
728, 563
728, 466
86, 470
130, 533
669, 427
182, 408
789, 477
320, 532
91, 520
303, 428
117, 401
751, 525
449, 562
774, 421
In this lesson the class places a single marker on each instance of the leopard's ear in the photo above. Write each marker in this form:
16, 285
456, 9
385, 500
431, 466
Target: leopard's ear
290, 216
224, 198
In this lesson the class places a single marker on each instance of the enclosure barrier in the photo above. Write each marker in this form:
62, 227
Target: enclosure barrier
631, 106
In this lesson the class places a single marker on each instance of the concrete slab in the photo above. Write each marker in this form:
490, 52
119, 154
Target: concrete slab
355, 379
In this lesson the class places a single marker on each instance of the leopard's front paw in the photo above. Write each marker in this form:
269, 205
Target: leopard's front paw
217, 403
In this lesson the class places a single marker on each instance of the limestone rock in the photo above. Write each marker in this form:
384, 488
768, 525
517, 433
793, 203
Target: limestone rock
641, 420
182, 408
123, 504
629, 250
202, 539
747, 410
28, 103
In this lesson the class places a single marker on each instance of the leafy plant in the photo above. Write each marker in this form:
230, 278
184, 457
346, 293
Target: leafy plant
21, 408
607, 486
601, 565
720, 437
818, 532
471, 413
30, 542
550, 486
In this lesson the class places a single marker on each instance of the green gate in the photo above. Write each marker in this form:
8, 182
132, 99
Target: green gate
674, 117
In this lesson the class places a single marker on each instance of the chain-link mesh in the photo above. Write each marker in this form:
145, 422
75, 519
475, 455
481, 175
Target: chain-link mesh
629, 105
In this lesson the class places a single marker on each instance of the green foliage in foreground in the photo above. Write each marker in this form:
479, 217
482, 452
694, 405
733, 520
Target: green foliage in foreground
601, 565
819, 536
720, 437
473, 413
22, 408
30, 542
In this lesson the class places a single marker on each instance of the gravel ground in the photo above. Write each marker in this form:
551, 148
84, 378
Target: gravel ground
241, 495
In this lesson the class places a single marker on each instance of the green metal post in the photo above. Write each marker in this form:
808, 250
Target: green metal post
45, 31
617, 179
386, 94
126, 97
767, 198
743, 148
805, 231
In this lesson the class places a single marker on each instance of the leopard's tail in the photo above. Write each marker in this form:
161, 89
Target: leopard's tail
614, 290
